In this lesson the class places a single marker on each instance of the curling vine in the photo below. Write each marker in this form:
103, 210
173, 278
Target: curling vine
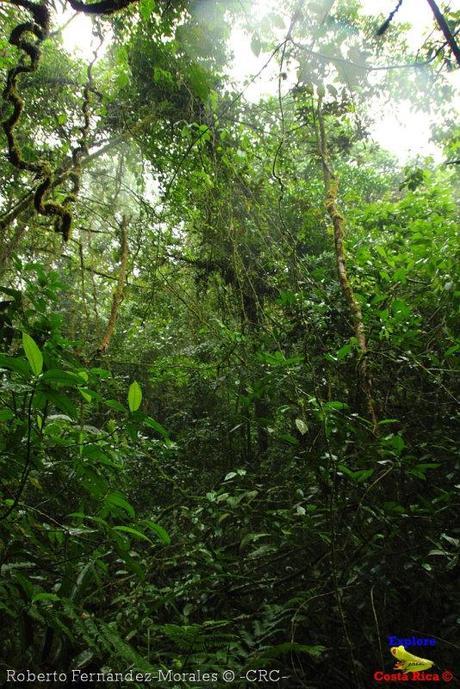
39, 28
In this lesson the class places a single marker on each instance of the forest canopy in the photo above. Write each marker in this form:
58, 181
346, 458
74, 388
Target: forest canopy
229, 329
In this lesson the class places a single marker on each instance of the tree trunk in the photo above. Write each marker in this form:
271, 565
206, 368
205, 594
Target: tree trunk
444, 26
119, 291
331, 184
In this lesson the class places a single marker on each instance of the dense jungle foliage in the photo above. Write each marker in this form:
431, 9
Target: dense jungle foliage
229, 406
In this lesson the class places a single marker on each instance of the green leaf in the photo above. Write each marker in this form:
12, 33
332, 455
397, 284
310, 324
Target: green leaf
133, 532
17, 364
57, 375
146, 8
162, 76
419, 471
6, 415
356, 476
162, 534
95, 452
452, 350
134, 396
101, 372
95, 485
113, 404
288, 438
117, 500
33, 354
396, 442
83, 658
252, 538
344, 351
151, 423
335, 406
62, 402
86, 396
25, 584
45, 596
301, 426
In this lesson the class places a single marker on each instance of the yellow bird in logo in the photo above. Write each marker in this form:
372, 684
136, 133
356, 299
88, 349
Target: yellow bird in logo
408, 662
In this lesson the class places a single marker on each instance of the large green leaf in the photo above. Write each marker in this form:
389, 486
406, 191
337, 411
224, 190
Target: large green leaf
134, 396
146, 7
114, 404
33, 354
162, 534
133, 532
151, 423
96, 453
18, 364
6, 415
45, 597
62, 402
57, 375
117, 500
357, 476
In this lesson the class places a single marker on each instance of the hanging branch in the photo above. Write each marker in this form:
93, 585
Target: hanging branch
389, 19
102, 7
39, 28
66, 169
119, 291
331, 184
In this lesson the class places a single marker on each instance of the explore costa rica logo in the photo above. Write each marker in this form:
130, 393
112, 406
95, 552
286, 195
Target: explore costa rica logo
411, 668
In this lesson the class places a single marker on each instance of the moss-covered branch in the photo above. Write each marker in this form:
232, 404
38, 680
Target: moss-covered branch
119, 291
39, 29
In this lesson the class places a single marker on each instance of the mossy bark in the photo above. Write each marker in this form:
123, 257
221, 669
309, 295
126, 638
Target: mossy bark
119, 291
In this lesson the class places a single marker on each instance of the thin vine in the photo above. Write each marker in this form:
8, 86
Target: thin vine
82, 150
